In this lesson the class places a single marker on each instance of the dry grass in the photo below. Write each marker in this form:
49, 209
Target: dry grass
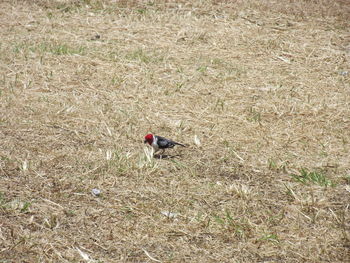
262, 85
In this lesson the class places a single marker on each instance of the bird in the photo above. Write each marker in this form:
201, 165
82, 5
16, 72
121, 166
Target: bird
160, 143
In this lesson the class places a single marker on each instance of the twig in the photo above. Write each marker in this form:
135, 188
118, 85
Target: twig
239, 157
150, 257
49, 201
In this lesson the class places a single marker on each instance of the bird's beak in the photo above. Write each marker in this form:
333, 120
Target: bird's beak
144, 141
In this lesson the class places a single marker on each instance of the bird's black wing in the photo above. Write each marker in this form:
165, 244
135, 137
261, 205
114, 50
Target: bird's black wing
164, 143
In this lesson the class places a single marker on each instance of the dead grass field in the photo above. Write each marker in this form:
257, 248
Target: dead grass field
264, 86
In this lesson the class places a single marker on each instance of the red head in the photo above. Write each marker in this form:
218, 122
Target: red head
149, 139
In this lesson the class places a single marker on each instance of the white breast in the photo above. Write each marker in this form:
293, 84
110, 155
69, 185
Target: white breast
154, 144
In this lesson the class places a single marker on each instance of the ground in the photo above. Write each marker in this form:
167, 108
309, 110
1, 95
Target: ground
258, 90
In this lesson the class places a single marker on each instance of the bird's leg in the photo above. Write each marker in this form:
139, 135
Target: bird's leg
161, 155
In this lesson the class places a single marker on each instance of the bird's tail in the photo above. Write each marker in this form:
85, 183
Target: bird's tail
180, 144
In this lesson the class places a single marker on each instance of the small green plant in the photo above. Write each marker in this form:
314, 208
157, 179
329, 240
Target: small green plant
226, 220
232, 151
323, 151
219, 220
238, 228
15, 204
139, 55
219, 105
202, 69
49, 15
128, 212
272, 164
66, 50
2, 199
70, 213
314, 177
55, 48
254, 115
51, 222
141, 11
117, 80
270, 237
290, 191
17, 48
179, 86
25, 207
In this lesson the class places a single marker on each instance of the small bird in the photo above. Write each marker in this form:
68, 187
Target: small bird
160, 143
